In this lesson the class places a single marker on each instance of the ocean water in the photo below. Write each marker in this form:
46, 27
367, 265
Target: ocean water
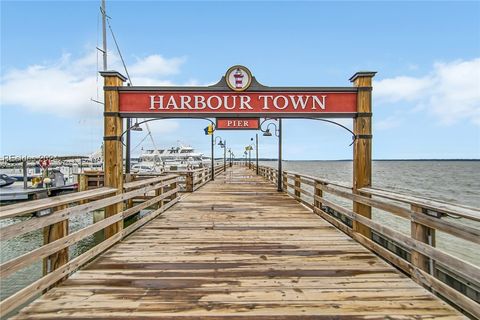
456, 182
452, 181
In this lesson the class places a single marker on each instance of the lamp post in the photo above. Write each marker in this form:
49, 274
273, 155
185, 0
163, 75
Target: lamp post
213, 155
230, 157
279, 183
256, 151
249, 149
224, 146
130, 127
220, 143
128, 146
278, 133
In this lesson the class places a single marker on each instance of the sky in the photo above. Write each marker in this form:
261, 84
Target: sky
426, 94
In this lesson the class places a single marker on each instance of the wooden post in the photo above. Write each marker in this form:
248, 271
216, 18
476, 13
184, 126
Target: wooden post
159, 192
421, 233
362, 148
174, 195
318, 192
82, 185
297, 187
82, 182
285, 182
189, 182
129, 178
113, 154
51, 233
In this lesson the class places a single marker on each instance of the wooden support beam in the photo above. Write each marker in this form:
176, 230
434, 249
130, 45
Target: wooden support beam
82, 185
319, 193
424, 234
362, 148
189, 182
297, 187
52, 233
159, 192
113, 148
129, 178
173, 186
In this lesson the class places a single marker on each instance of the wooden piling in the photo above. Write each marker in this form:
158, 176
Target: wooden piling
421, 233
297, 187
189, 181
362, 148
52, 233
113, 155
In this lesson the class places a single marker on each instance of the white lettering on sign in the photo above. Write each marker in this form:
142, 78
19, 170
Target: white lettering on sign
240, 102
279, 104
265, 101
299, 101
237, 123
245, 102
321, 103
230, 105
153, 102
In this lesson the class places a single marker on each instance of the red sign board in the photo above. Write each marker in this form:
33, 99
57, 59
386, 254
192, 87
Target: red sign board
237, 124
185, 103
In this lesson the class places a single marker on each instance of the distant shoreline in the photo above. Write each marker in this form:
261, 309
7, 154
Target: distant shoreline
451, 160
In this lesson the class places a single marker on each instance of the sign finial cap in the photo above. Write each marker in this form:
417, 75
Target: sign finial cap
363, 74
111, 73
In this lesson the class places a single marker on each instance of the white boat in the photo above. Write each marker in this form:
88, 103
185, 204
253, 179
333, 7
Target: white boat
181, 158
149, 162
172, 159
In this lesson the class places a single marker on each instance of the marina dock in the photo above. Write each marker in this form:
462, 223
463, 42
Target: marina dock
234, 248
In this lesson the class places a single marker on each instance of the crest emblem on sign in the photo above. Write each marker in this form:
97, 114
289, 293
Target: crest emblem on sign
238, 78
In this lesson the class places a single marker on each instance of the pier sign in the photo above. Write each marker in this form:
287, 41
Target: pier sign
237, 124
237, 94
201, 103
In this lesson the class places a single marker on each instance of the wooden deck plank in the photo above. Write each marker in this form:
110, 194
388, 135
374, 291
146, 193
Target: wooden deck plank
236, 248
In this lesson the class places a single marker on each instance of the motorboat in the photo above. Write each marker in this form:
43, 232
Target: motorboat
181, 158
149, 162
178, 158
5, 180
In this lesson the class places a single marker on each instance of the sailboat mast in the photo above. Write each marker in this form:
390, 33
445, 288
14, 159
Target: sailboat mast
104, 35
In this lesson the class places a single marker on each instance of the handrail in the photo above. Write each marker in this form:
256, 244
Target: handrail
140, 183
93, 180
323, 181
425, 216
430, 204
196, 178
157, 194
22, 208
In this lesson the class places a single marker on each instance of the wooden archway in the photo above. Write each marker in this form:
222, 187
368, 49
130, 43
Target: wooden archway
250, 100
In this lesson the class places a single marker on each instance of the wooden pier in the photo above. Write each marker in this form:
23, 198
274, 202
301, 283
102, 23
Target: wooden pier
237, 248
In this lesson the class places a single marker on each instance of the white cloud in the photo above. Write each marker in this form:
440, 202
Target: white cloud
66, 86
387, 123
156, 65
450, 92
401, 88
163, 126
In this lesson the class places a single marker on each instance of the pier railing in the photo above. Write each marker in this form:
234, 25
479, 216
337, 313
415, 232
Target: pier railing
189, 181
414, 252
193, 179
52, 216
